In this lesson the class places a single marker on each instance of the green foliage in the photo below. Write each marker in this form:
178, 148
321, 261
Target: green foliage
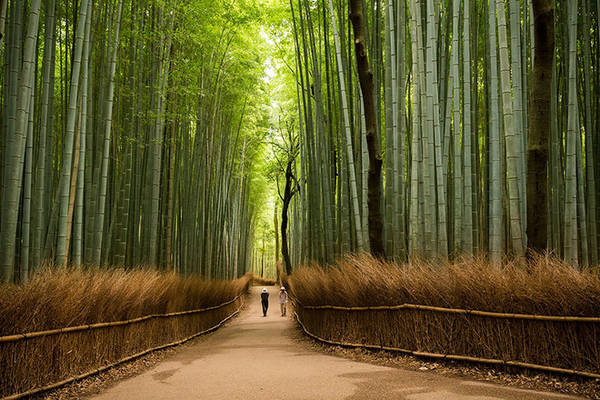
185, 150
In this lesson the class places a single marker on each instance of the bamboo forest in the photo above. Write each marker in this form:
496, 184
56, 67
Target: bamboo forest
405, 178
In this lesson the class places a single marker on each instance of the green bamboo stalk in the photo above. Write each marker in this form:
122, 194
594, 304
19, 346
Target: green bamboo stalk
467, 217
433, 84
14, 175
513, 141
79, 207
518, 104
571, 242
495, 184
347, 132
100, 211
457, 130
26, 219
39, 218
590, 173
66, 169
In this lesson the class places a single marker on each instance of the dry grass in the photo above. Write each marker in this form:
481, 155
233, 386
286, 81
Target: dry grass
543, 287
58, 298
260, 281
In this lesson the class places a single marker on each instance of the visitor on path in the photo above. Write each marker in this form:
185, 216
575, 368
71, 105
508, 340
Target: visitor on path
264, 299
283, 299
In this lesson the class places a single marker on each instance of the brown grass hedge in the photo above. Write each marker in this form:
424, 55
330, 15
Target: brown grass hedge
543, 287
60, 298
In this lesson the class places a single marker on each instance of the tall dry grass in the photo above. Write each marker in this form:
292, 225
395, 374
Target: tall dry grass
59, 298
543, 287
260, 281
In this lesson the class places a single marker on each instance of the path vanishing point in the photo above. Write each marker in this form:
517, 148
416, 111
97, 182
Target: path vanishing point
261, 358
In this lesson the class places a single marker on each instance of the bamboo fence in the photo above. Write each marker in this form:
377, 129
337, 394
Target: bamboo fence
35, 362
407, 306
557, 344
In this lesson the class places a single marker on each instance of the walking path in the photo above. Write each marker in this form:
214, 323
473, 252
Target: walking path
258, 358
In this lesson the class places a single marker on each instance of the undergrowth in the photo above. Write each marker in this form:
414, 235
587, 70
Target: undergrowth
260, 281
544, 286
539, 287
61, 297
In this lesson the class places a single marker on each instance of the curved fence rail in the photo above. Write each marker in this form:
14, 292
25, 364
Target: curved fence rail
559, 344
31, 335
408, 306
49, 359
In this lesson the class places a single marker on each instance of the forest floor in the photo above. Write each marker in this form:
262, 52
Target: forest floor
269, 358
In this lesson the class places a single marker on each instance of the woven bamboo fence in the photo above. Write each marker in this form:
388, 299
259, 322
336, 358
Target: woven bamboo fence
34, 362
562, 344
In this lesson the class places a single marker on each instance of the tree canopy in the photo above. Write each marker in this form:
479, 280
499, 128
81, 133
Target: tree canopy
147, 132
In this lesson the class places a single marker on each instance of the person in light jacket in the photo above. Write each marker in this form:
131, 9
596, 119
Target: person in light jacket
264, 299
283, 299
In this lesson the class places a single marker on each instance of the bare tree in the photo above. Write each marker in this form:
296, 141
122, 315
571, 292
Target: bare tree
286, 160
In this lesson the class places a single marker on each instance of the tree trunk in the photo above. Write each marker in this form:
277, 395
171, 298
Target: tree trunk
366, 83
276, 236
287, 198
539, 114
345, 123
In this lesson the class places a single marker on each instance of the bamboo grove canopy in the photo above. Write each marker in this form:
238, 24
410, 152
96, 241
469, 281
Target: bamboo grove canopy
136, 132
129, 134
453, 82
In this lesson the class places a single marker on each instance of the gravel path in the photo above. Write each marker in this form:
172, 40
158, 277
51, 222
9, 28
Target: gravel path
260, 358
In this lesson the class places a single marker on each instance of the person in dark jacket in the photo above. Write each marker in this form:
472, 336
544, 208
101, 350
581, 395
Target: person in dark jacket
264, 299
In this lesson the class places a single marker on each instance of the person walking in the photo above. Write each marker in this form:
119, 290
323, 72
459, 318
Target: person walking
264, 299
283, 299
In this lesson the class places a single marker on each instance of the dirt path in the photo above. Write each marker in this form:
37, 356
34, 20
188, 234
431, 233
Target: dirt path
259, 358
